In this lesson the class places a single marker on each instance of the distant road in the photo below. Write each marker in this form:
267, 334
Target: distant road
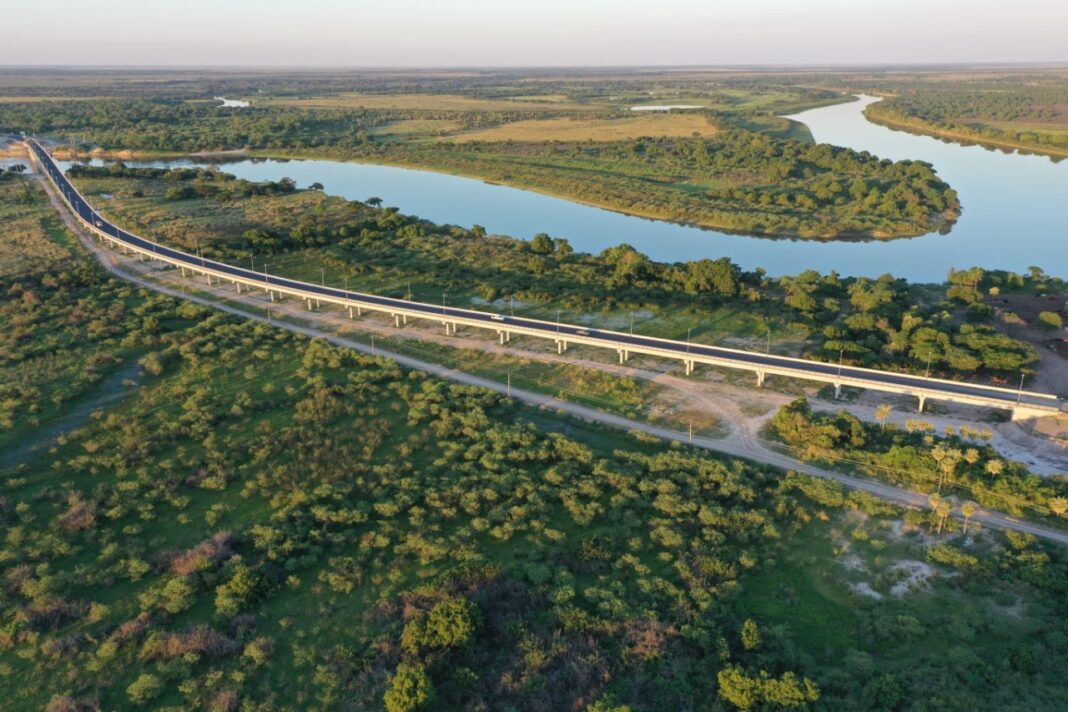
750, 450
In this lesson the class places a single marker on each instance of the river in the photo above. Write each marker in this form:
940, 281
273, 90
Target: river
1015, 209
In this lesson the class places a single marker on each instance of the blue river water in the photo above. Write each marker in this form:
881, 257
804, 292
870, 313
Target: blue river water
1015, 209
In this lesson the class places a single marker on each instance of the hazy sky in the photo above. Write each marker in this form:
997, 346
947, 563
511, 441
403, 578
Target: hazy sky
532, 32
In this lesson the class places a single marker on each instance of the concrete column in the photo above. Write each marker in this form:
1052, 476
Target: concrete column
271, 293
404, 319
622, 356
396, 320
359, 311
209, 279
501, 335
559, 346
350, 312
507, 336
140, 256
183, 272
760, 379
837, 391
317, 303
238, 285
309, 305
923, 402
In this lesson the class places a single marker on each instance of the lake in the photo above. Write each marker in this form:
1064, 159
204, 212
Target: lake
1015, 209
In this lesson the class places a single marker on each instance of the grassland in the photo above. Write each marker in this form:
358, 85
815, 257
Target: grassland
678, 123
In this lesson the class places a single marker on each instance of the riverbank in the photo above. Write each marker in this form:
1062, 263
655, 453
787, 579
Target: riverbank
924, 128
735, 182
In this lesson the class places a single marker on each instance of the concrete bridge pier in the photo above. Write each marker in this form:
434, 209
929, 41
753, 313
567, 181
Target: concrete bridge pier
396, 320
350, 312
183, 272
837, 391
689, 367
561, 346
623, 356
238, 285
923, 402
271, 293
761, 375
309, 305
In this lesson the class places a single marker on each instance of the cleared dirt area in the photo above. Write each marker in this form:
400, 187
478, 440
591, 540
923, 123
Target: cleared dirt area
1018, 317
565, 129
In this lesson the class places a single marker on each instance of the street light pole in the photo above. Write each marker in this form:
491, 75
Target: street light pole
1019, 393
688, 339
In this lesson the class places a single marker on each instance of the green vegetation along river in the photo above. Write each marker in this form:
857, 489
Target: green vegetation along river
1013, 209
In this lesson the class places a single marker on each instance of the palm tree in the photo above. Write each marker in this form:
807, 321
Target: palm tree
935, 500
995, 467
1059, 506
882, 413
968, 509
944, 510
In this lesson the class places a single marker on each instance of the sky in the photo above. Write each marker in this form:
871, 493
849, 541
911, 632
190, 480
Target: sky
510, 33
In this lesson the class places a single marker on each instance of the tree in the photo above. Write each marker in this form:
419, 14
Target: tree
450, 624
947, 459
995, 467
542, 244
882, 413
944, 510
374, 201
751, 637
968, 509
409, 689
478, 232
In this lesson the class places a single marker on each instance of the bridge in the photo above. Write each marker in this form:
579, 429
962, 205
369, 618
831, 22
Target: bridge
1022, 404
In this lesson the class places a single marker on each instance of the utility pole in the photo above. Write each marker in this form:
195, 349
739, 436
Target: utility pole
1019, 393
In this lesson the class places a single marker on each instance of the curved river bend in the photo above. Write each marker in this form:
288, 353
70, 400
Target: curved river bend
1015, 209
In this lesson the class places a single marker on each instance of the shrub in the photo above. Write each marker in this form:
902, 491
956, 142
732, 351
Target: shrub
409, 689
1050, 320
144, 689
448, 625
